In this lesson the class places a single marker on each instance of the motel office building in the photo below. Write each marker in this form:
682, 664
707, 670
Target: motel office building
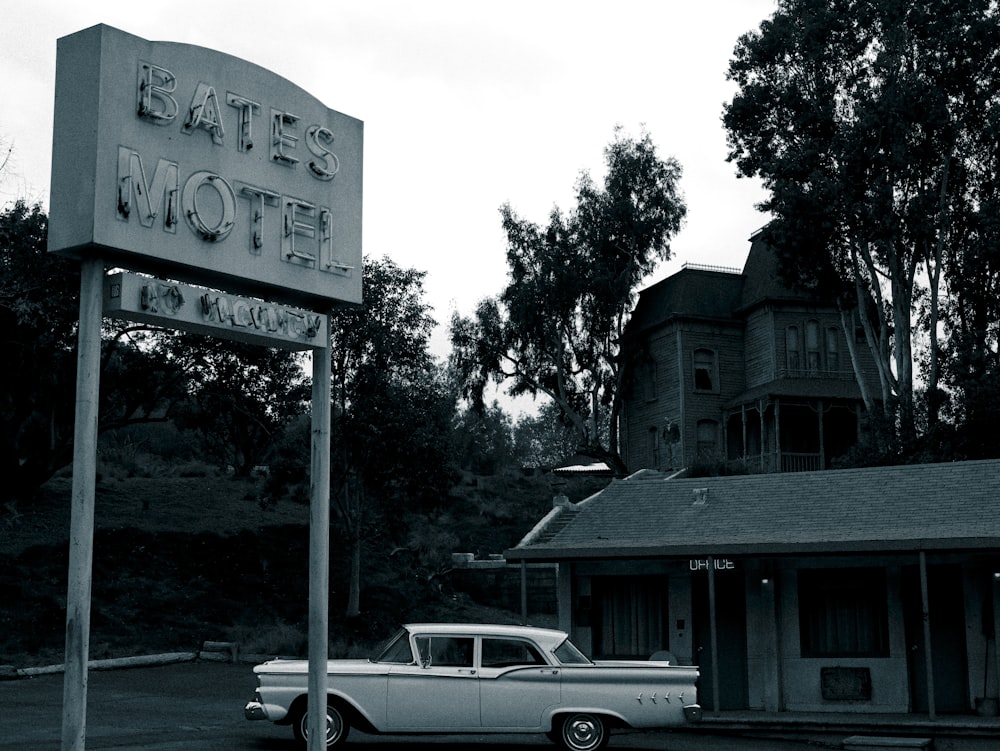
861, 590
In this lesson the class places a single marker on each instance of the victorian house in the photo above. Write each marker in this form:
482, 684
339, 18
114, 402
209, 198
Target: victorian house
736, 369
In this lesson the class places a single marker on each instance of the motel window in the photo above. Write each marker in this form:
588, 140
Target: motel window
631, 616
704, 370
792, 348
843, 613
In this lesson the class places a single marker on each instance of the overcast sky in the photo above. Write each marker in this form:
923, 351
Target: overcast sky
466, 105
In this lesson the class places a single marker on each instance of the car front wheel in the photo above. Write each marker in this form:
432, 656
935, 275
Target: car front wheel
337, 727
581, 732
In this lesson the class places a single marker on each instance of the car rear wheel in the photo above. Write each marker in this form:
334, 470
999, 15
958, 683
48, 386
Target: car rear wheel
581, 732
337, 727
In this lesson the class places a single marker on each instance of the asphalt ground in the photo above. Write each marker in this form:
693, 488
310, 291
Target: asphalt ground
198, 706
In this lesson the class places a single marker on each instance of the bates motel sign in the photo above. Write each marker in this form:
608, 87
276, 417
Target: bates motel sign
182, 161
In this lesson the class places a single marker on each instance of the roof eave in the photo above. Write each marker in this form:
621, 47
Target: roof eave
811, 548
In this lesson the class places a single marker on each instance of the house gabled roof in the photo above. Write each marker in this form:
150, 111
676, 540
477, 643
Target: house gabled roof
762, 281
691, 293
947, 506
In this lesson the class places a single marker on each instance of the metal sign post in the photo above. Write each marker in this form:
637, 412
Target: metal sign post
319, 550
81, 533
155, 171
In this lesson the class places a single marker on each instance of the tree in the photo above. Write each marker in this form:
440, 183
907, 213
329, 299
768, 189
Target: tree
39, 309
392, 409
543, 440
240, 396
555, 328
862, 118
482, 440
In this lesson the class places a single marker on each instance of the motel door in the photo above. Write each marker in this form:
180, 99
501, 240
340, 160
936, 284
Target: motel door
947, 619
731, 622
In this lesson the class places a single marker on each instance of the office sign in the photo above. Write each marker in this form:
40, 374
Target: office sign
185, 162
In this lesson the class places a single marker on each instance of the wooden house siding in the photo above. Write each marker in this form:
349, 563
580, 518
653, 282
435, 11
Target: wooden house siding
727, 387
759, 364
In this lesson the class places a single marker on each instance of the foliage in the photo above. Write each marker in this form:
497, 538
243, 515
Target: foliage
39, 310
239, 396
392, 409
542, 441
555, 328
873, 125
483, 441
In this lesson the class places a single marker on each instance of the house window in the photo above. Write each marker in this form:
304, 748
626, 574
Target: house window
812, 346
708, 439
647, 373
843, 613
654, 447
793, 348
644, 379
832, 350
704, 370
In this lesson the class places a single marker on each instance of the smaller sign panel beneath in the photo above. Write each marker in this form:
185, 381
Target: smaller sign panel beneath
204, 311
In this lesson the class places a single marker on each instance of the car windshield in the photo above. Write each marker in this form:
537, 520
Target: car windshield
568, 654
396, 650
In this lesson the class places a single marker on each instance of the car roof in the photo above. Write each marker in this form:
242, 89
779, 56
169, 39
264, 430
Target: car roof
548, 638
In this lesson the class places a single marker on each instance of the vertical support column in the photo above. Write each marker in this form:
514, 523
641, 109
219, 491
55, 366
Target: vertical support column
822, 441
713, 628
524, 592
777, 437
996, 626
319, 549
743, 416
770, 642
81, 533
928, 652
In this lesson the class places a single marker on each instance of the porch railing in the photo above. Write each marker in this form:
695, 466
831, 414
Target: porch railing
787, 461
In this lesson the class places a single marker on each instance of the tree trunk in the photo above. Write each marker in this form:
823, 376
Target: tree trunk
354, 593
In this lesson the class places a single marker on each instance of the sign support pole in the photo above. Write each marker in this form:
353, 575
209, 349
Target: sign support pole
81, 534
319, 548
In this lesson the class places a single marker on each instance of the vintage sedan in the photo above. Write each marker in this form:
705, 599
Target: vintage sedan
473, 678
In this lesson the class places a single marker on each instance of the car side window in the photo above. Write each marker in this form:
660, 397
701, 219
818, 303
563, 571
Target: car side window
445, 651
505, 653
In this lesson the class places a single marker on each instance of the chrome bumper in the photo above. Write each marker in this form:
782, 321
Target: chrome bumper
254, 710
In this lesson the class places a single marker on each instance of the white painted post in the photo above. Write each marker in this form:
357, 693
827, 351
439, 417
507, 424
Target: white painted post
81, 533
319, 549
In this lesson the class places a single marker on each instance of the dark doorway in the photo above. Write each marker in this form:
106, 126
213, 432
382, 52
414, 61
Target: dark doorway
731, 622
947, 621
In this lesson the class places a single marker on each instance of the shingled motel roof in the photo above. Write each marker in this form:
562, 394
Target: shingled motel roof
948, 506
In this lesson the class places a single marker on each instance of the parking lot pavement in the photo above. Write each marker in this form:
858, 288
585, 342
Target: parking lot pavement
198, 706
